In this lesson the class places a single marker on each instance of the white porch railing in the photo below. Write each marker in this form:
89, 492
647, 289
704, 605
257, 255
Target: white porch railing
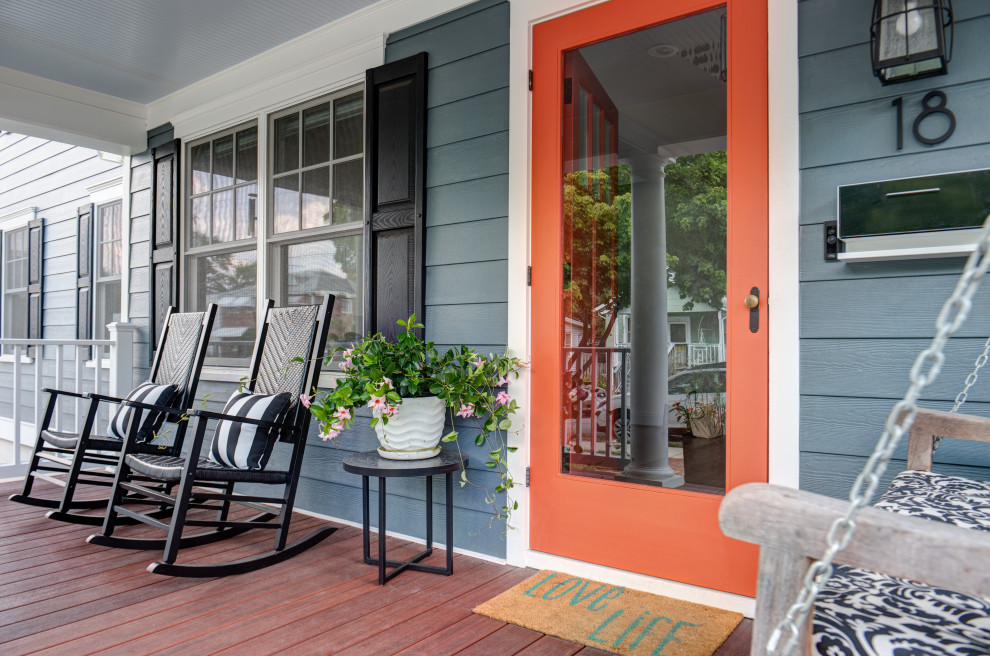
703, 354
81, 366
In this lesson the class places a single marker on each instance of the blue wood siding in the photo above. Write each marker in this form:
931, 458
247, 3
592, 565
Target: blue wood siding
863, 324
53, 177
466, 259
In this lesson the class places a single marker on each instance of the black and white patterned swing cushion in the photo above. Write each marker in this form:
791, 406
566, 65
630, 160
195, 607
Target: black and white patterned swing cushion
871, 614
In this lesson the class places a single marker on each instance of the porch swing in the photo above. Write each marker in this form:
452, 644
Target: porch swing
909, 576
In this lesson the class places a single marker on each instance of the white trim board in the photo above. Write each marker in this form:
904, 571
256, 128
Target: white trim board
683, 591
44, 108
330, 57
402, 536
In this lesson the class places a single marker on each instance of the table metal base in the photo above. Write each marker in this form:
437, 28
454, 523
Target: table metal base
412, 563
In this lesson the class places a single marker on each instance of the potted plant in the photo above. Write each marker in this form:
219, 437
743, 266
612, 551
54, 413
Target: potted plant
410, 386
702, 418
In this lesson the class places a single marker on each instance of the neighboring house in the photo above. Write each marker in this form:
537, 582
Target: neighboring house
250, 180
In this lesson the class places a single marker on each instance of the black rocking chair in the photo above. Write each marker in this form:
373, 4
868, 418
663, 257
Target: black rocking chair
178, 360
287, 359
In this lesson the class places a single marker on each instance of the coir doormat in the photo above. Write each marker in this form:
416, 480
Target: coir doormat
612, 618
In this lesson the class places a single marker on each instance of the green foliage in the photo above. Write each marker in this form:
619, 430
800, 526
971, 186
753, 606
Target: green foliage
695, 190
379, 374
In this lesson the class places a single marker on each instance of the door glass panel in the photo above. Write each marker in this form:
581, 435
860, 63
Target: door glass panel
643, 329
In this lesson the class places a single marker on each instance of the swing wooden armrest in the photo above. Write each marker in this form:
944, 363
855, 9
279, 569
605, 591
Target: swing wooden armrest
928, 424
790, 526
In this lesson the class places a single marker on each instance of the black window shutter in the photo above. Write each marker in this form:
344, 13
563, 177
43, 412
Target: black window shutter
395, 192
36, 254
164, 235
84, 272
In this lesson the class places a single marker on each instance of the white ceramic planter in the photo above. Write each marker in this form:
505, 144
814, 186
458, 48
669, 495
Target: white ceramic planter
415, 430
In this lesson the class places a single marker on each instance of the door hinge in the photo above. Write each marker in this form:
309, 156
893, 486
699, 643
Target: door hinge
531, 79
529, 276
527, 477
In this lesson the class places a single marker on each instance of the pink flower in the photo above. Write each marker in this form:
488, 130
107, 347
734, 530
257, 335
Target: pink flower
504, 380
502, 398
346, 364
305, 400
329, 434
391, 410
342, 413
348, 352
478, 362
388, 382
377, 403
467, 410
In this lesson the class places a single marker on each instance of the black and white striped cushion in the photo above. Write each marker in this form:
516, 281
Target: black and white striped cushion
242, 445
151, 421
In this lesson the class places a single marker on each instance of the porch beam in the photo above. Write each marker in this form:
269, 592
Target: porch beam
47, 109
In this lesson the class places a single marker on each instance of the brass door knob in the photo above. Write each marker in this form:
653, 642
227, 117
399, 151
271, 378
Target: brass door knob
751, 301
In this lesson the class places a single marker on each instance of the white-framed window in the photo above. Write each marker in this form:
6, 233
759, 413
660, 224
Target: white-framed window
15, 283
303, 229
108, 257
14, 260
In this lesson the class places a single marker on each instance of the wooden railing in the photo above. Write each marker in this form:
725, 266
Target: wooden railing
77, 365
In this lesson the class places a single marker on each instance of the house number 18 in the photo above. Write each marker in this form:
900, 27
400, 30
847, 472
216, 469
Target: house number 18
934, 103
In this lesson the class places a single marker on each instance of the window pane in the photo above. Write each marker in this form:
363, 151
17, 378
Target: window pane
287, 203
348, 184
201, 221
223, 216
109, 262
331, 266
247, 211
200, 168
229, 280
15, 315
223, 162
247, 155
15, 269
107, 307
287, 143
316, 135
348, 125
316, 198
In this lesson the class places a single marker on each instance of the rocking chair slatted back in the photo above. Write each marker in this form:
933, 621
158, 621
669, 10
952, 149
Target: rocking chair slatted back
180, 352
289, 333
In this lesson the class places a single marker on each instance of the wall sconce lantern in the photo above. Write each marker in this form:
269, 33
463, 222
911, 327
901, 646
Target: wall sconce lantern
910, 39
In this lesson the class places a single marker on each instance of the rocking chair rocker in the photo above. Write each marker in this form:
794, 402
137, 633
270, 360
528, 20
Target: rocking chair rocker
174, 376
287, 359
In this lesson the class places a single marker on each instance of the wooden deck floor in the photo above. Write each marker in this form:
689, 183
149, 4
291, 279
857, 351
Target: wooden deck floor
60, 595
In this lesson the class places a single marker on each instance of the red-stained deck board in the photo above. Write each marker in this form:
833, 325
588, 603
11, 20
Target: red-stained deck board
60, 595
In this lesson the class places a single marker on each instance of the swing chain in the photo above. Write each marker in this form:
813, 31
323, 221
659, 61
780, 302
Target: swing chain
784, 638
970, 381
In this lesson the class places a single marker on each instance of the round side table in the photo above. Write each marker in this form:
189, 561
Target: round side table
368, 464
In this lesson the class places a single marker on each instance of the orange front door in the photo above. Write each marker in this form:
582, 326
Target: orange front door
649, 230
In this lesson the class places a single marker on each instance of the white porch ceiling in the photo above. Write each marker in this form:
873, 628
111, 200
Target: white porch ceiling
143, 50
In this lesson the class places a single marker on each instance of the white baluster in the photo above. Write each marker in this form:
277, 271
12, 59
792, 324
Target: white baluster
59, 364
17, 405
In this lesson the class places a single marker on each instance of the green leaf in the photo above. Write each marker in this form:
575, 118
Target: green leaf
479, 440
496, 453
505, 424
374, 421
512, 449
464, 476
435, 389
489, 464
449, 437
